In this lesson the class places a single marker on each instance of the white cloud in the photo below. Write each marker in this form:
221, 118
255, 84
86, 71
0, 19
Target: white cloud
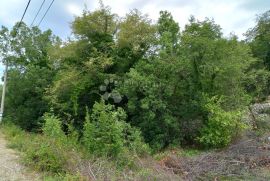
229, 14
233, 16
74, 9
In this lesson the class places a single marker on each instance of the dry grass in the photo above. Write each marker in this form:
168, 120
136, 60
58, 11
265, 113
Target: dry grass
244, 159
10, 167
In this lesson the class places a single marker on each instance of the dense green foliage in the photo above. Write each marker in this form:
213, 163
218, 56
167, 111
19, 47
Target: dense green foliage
58, 158
135, 77
258, 38
221, 126
31, 72
107, 134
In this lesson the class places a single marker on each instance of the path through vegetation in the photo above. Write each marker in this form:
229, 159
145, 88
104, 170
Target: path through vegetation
10, 167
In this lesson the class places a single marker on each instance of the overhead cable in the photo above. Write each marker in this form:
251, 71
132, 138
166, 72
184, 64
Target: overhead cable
38, 12
46, 13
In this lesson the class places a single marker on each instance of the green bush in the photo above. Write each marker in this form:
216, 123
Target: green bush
73, 137
221, 126
107, 134
53, 127
256, 82
45, 155
134, 140
42, 152
102, 134
48, 152
60, 161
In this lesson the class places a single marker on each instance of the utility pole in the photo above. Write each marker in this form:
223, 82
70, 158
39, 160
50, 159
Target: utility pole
3, 93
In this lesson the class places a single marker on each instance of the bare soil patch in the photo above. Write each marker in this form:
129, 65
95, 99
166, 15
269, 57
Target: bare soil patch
246, 159
10, 167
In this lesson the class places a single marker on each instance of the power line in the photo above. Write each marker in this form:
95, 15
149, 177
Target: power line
6, 70
46, 13
23, 15
38, 12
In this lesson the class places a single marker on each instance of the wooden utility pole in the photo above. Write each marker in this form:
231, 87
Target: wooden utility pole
3, 93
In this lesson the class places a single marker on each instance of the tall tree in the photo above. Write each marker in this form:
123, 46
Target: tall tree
30, 73
259, 38
167, 92
84, 64
132, 43
169, 33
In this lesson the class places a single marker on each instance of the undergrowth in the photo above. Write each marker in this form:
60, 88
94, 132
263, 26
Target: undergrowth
60, 156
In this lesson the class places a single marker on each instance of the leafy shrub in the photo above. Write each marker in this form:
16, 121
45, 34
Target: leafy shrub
102, 135
73, 137
257, 83
53, 150
45, 155
107, 134
221, 126
53, 127
40, 151
48, 151
134, 140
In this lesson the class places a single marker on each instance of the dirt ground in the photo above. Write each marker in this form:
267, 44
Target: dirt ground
10, 167
246, 159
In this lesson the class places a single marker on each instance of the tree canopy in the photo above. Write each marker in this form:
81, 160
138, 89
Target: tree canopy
174, 86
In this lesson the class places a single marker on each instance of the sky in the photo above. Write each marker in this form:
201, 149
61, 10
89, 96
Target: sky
235, 16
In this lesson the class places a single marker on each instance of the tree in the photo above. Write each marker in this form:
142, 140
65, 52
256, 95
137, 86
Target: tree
218, 64
133, 43
178, 88
259, 38
84, 64
31, 72
169, 33
150, 88
257, 82
97, 54
167, 92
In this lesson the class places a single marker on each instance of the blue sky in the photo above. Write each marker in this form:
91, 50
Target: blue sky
233, 15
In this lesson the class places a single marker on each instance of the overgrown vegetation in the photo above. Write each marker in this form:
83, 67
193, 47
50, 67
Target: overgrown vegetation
221, 127
117, 92
59, 158
107, 134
